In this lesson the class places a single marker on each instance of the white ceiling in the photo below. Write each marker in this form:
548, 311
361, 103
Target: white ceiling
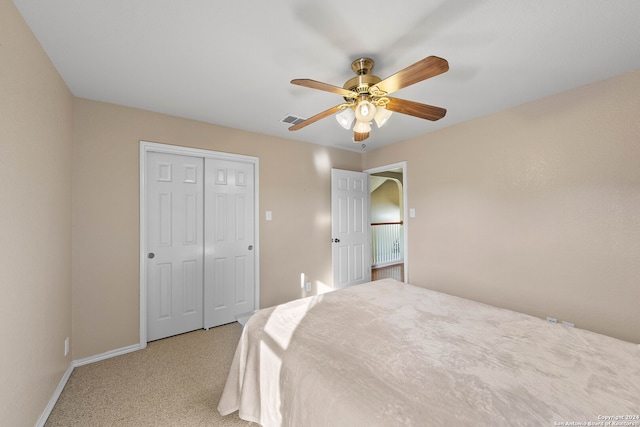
230, 62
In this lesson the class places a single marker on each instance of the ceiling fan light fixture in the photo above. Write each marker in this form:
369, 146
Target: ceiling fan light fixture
362, 127
365, 111
382, 116
366, 96
345, 118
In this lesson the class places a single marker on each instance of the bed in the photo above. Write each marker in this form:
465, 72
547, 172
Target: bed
390, 354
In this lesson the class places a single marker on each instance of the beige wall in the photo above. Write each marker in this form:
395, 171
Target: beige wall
35, 223
294, 185
536, 208
385, 202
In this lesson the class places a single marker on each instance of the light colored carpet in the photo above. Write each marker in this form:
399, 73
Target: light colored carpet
176, 381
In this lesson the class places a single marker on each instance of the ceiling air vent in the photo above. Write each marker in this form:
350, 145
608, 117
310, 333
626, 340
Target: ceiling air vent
294, 120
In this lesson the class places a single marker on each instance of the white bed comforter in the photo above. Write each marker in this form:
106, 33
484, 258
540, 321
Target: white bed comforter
389, 354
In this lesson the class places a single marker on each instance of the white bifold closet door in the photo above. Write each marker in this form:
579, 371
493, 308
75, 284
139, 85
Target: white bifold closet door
200, 231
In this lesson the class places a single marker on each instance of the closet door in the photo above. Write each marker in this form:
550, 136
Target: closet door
175, 245
229, 236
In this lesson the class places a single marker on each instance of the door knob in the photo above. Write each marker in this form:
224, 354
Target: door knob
250, 247
335, 240
151, 255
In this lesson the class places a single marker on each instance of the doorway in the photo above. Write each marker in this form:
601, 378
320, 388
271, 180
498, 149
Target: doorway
388, 207
204, 204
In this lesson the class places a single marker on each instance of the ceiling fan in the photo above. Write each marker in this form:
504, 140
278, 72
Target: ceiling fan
366, 96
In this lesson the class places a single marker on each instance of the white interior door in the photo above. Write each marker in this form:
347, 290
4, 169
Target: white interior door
175, 247
351, 247
230, 237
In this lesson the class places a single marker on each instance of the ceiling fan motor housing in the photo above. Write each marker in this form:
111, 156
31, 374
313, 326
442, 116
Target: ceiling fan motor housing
363, 81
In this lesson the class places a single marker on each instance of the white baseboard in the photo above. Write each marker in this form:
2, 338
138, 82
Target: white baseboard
75, 363
106, 355
54, 398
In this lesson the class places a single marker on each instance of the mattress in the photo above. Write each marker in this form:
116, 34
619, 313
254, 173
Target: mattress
387, 353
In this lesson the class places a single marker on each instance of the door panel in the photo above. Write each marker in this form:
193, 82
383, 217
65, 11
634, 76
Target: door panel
229, 265
350, 231
174, 198
164, 282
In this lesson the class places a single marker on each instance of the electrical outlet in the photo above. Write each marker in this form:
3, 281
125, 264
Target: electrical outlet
66, 346
569, 324
552, 319
307, 286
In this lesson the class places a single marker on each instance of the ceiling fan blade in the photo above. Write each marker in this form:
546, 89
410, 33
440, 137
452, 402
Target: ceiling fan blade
317, 117
360, 136
416, 109
313, 84
428, 67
